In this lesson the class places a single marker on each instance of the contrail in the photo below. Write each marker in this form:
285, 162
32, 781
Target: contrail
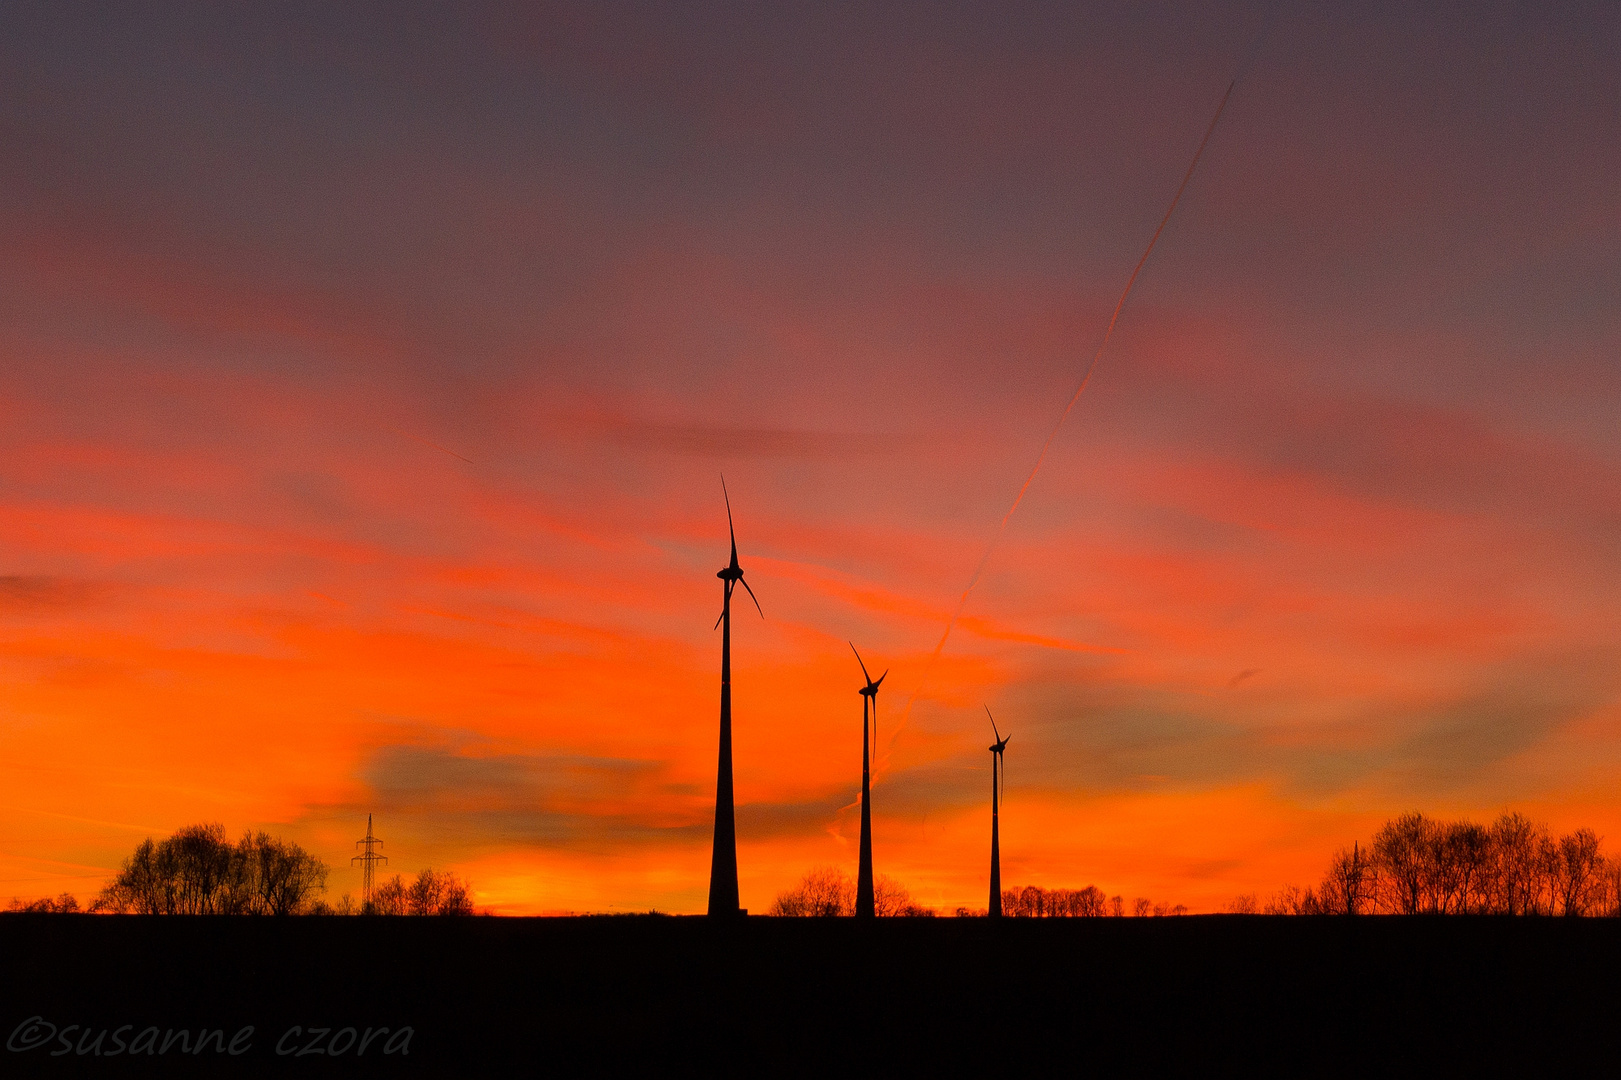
1075, 397
427, 442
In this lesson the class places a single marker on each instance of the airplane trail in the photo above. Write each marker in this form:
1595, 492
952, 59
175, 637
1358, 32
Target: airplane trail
1108, 332
428, 442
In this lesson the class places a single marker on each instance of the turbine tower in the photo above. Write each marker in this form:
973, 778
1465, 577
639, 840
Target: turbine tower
723, 863
368, 860
998, 775
866, 908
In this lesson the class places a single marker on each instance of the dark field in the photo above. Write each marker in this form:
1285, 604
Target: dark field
654, 995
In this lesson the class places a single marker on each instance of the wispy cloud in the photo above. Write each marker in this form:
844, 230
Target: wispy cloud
21, 593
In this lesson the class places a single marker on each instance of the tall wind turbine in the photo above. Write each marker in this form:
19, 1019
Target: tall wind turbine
866, 908
723, 864
998, 772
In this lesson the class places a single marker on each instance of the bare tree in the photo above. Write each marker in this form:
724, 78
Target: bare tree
1292, 900
1243, 905
430, 893
1518, 865
424, 894
1577, 876
203, 858
1607, 893
1402, 848
827, 891
1350, 885
1419, 865
281, 878
1090, 903
197, 871
890, 898
345, 906
390, 898
1468, 847
824, 891
1032, 901
440, 893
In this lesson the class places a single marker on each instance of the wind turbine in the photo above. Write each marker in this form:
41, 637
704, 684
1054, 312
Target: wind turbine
723, 864
998, 777
866, 908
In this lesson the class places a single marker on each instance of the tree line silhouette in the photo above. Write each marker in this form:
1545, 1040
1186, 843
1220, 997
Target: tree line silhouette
1418, 865
430, 894
1034, 902
198, 871
65, 904
1414, 865
828, 891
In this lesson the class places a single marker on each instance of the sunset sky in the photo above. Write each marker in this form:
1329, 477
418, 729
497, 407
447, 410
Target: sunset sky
368, 372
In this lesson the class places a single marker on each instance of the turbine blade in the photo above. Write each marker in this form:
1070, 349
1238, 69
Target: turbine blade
993, 723
879, 683
862, 662
718, 618
756, 599
729, 526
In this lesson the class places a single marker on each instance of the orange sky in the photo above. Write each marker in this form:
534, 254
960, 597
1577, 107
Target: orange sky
365, 391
